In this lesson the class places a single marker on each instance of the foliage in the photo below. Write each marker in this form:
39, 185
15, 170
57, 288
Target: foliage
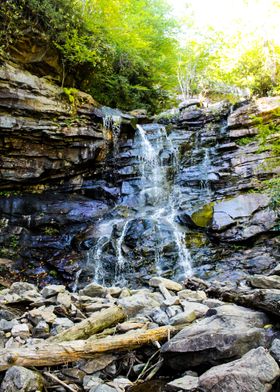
122, 51
269, 138
51, 231
243, 59
245, 140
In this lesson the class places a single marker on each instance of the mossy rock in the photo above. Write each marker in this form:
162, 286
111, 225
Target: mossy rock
196, 240
203, 217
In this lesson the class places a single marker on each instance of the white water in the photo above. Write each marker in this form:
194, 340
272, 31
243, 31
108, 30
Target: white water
158, 201
167, 194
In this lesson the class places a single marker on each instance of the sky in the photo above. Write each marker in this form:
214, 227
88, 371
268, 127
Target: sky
252, 15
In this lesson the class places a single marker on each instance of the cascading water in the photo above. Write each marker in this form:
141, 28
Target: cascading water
153, 207
112, 120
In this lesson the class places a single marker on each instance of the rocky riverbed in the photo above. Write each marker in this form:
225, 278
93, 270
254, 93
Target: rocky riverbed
167, 337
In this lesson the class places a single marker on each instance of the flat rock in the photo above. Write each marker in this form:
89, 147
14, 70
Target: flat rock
98, 363
199, 309
228, 333
191, 295
183, 384
21, 330
265, 282
52, 290
18, 378
6, 325
94, 290
142, 303
240, 206
188, 316
256, 371
167, 283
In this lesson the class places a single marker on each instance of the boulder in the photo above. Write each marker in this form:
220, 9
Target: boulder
167, 283
256, 371
228, 333
94, 290
192, 295
143, 303
21, 330
18, 378
52, 290
265, 282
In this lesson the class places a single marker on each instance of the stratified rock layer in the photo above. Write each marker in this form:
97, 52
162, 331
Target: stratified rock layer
72, 200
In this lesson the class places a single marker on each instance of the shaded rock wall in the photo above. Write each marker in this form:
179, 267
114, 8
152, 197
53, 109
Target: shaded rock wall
65, 167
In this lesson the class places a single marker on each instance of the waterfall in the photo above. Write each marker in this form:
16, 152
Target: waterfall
155, 206
112, 121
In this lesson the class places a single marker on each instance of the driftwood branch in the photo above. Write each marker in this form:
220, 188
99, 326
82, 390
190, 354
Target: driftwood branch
49, 354
92, 325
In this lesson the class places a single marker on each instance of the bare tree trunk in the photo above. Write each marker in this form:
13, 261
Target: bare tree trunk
49, 354
92, 325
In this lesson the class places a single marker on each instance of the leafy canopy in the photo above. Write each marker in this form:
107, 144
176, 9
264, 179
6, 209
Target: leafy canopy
123, 52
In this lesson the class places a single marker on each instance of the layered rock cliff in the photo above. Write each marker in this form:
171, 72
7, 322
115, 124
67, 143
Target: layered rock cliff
69, 168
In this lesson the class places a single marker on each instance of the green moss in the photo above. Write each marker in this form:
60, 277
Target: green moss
245, 140
196, 240
52, 231
203, 217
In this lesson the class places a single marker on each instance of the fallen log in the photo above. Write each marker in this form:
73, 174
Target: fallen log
50, 354
92, 325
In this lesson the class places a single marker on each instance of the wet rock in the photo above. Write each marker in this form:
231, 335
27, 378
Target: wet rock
256, 371
167, 283
183, 384
241, 206
18, 378
243, 217
228, 332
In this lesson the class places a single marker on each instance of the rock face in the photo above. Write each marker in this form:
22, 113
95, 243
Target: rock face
40, 140
228, 333
84, 195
